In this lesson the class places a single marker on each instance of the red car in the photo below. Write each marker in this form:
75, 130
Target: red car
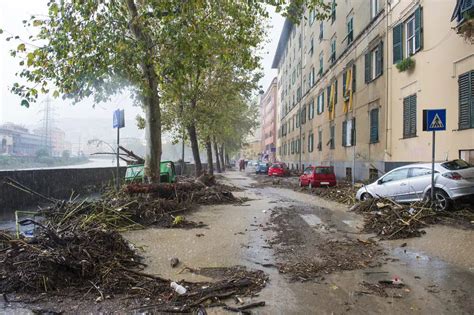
278, 169
317, 176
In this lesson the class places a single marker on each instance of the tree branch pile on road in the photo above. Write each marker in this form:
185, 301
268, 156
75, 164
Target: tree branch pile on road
93, 264
391, 220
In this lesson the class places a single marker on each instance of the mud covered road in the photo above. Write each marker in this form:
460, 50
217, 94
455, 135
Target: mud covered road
313, 253
316, 259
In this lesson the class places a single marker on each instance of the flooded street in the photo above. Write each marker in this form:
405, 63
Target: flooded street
437, 271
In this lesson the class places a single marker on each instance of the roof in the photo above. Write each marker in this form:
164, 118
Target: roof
285, 34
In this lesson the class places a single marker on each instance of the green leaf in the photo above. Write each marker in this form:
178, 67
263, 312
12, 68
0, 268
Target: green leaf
21, 47
25, 103
30, 59
1, 31
37, 23
55, 94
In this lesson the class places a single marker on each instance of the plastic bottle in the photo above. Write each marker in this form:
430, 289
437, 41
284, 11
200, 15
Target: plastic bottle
178, 288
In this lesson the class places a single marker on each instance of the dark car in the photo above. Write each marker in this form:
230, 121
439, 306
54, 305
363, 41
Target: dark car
278, 169
317, 176
261, 168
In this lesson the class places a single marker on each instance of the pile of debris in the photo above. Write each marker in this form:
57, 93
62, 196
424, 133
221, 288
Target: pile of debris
99, 264
343, 193
391, 220
140, 205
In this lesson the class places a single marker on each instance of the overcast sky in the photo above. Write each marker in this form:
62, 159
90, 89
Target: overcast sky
11, 15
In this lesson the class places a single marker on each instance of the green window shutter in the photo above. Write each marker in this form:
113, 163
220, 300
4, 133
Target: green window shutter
335, 92
353, 133
322, 102
379, 62
344, 76
406, 117
353, 78
466, 100
413, 115
344, 131
367, 67
418, 29
333, 132
398, 43
328, 91
374, 125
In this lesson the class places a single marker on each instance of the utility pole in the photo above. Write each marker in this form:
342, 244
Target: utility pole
47, 127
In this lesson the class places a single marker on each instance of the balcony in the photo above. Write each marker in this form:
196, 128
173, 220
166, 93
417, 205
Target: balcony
464, 16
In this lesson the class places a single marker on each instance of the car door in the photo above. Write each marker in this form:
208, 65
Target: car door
306, 175
393, 185
419, 178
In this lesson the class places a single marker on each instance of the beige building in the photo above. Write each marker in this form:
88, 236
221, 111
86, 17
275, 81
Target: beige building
342, 101
268, 104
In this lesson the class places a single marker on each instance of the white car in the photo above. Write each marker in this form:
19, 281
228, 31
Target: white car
410, 183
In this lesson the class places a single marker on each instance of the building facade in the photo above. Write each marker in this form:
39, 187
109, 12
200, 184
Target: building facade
268, 107
18, 141
351, 89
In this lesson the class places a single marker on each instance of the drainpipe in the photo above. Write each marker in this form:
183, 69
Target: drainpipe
300, 147
388, 90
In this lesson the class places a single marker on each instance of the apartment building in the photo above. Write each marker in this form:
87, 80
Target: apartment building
351, 89
268, 106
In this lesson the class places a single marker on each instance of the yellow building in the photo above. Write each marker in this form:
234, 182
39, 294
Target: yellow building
343, 102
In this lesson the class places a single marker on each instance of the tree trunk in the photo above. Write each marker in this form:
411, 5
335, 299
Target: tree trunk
210, 165
216, 152
195, 148
221, 153
227, 159
151, 99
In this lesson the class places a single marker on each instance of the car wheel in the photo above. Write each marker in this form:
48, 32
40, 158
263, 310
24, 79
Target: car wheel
442, 200
365, 196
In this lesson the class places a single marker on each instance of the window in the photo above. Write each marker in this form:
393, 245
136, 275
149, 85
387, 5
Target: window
311, 47
420, 171
348, 133
320, 108
321, 31
320, 139
321, 65
410, 33
311, 110
412, 29
409, 116
373, 174
350, 70
333, 50
333, 11
298, 119
311, 142
348, 174
466, 100
374, 63
299, 41
374, 125
332, 140
395, 175
374, 8
312, 16
303, 115
312, 79
350, 31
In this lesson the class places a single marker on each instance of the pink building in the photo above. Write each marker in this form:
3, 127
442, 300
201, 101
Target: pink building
268, 121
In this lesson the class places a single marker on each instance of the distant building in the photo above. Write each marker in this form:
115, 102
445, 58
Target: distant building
55, 142
17, 140
268, 104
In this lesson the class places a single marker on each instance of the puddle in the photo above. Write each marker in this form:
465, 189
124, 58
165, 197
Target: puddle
311, 219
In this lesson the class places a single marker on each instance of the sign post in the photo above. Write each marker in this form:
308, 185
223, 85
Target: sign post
433, 120
118, 122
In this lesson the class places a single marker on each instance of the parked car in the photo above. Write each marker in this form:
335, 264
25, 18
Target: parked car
261, 168
278, 169
453, 180
317, 176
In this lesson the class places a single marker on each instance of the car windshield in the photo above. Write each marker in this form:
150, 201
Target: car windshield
456, 165
323, 170
276, 166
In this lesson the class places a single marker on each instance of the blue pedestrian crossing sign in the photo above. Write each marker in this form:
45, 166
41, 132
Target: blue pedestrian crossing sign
434, 119
119, 118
